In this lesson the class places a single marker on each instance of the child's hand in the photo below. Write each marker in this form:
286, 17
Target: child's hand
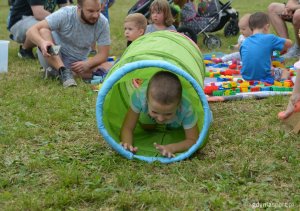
234, 47
231, 47
164, 150
129, 147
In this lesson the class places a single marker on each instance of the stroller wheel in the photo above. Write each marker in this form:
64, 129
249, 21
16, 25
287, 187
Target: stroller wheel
212, 42
188, 32
231, 28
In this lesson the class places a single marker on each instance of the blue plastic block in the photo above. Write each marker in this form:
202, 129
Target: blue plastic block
265, 88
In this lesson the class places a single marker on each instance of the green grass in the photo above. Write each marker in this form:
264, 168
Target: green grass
53, 158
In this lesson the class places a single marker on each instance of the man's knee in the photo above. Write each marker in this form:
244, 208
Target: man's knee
271, 8
275, 8
19, 29
296, 18
45, 32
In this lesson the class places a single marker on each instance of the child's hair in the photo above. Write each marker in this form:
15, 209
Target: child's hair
245, 18
138, 19
258, 20
162, 6
165, 88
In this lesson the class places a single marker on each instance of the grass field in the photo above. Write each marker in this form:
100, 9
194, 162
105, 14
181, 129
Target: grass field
53, 158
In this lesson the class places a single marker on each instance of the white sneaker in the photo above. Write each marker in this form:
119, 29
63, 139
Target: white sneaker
293, 52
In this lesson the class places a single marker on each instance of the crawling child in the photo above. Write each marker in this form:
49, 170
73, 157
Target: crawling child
161, 101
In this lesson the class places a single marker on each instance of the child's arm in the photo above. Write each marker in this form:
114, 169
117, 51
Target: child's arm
127, 129
191, 136
235, 47
288, 43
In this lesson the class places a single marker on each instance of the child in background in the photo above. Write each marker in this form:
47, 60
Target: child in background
160, 101
257, 49
134, 26
245, 32
160, 17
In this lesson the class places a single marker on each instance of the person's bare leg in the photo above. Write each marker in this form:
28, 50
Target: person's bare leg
53, 61
28, 44
277, 22
293, 99
296, 24
65, 75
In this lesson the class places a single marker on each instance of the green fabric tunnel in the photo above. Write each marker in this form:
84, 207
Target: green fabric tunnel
163, 50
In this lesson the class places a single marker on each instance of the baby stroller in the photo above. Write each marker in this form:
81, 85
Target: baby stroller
217, 14
211, 16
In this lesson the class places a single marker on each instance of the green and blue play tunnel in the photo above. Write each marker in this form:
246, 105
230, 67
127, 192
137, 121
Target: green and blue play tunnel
162, 50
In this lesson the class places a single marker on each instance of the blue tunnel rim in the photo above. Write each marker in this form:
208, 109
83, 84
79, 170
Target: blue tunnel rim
130, 67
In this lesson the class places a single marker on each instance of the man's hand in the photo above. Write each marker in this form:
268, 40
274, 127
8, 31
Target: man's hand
287, 13
79, 67
44, 48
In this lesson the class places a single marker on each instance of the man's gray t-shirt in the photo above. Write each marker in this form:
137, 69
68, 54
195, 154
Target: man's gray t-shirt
74, 36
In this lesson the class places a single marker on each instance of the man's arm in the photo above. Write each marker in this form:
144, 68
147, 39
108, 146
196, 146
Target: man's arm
34, 34
100, 57
292, 5
85, 68
288, 43
39, 12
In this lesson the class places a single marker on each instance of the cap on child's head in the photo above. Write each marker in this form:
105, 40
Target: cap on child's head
258, 20
138, 19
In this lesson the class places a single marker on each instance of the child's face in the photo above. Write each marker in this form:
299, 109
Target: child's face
157, 17
161, 113
131, 31
245, 29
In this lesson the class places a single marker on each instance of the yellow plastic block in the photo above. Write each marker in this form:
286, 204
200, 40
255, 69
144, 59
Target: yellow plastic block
208, 62
233, 84
245, 84
277, 83
277, 64
227, 92
244, 89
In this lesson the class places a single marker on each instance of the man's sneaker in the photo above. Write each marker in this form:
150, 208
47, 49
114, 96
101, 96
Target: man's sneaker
66, 77
25, 53
51, 73
293, 52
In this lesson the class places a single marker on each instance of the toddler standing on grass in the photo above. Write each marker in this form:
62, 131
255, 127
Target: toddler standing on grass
160, 17
161, 102
257, 49
245, 32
